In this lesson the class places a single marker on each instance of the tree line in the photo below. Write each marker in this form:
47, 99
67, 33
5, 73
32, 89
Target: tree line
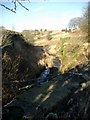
81, 22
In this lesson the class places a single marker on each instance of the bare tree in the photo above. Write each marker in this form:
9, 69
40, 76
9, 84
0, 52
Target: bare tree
15, 2
82, 22
75, 22
85, 23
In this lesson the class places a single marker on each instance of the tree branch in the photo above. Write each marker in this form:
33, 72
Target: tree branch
15, 5
7, 8
22, 5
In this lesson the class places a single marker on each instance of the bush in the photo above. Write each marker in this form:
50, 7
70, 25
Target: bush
49, 37
29, 36
85, 23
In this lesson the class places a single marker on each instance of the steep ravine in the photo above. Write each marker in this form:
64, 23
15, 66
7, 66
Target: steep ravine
23, 99
22, 63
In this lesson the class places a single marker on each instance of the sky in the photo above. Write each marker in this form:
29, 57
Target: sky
41, 15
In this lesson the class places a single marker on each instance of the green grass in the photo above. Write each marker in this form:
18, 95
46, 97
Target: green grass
70, 50
62, 45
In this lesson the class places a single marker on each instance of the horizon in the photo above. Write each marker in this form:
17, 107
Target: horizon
41, 15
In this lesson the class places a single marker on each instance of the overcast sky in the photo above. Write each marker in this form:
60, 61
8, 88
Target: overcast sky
45, 15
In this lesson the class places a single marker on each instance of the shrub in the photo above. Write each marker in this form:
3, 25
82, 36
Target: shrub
49, 37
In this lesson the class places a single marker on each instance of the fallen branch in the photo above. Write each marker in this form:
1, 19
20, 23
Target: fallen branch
15, 82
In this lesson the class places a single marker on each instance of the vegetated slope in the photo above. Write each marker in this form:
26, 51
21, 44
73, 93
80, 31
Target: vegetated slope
70, 47
20, 61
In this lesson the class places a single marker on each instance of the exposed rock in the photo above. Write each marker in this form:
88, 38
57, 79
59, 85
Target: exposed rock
51, 116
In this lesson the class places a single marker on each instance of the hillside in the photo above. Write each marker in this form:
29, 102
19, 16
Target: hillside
24, 57
20, 61
71, 48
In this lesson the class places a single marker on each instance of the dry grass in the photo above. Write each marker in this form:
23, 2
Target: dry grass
71, 47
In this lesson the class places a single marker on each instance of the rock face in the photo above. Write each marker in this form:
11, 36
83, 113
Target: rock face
20, 61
